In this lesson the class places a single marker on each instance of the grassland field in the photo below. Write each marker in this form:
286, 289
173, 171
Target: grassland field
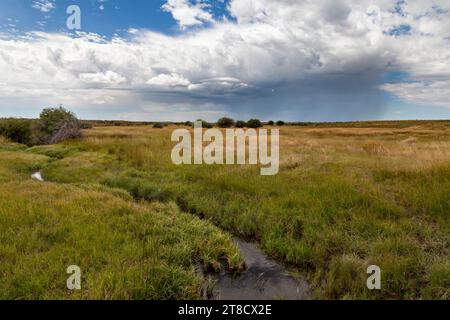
347, 196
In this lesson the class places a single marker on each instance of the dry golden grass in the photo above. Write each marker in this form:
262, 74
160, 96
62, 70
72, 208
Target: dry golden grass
415, 147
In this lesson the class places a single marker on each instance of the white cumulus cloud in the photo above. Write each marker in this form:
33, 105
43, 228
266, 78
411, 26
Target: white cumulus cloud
188, 14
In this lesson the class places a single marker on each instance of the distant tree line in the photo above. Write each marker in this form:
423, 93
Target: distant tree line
57, 124
252, 123
229, 123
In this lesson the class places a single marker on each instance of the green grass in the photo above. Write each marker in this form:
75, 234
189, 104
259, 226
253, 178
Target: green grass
346, 197
125, 249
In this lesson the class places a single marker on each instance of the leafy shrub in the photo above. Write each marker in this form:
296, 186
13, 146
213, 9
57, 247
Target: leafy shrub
158, 125
16, 130
56, 125
225, 123
270, 123
254, 123
280, 123
240, 124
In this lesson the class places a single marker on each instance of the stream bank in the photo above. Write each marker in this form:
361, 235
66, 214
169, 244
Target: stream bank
264, 279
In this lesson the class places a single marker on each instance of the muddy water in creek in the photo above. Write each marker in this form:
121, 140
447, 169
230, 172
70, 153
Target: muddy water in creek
37, 176
264, 280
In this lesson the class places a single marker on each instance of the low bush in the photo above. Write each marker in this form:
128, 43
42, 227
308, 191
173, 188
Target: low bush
225, 123
254, 123
56, 125
240, 124
16, 130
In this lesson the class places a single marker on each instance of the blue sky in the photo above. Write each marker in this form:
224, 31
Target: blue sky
114, 17
184, 59
107, 17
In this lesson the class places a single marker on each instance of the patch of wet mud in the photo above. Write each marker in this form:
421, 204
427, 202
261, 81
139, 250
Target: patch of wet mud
264, 279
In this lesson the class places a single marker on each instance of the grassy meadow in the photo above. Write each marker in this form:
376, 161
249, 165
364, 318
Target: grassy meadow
347, 196
126, 249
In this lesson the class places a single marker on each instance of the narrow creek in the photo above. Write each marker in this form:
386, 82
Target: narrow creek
264, 278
